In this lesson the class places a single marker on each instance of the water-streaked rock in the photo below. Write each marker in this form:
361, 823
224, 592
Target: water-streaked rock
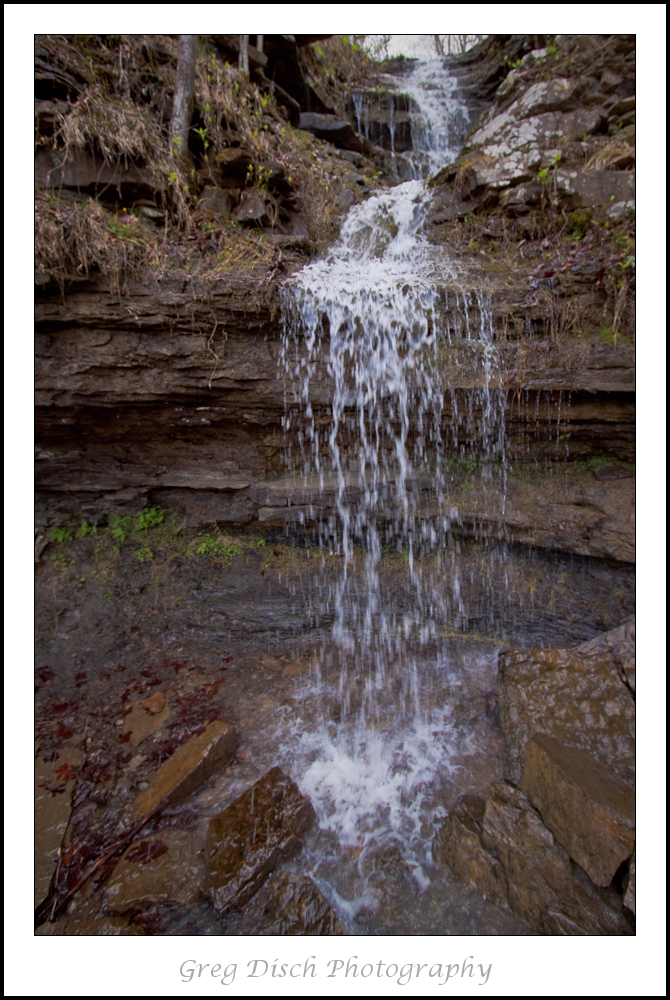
502, 846
587, 807
257, 831
288, 904
188, 768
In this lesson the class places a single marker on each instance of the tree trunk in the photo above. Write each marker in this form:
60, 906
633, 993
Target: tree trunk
439, 45
259, 42
244, 55
182, 107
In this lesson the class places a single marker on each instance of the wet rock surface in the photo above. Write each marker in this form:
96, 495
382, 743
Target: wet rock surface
188, 769
629, 887
252, 836
145, 718
163, 869
54, 784
88, 918
502, 846
580, 700
590, 811
287, 904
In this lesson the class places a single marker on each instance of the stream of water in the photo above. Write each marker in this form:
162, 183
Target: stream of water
379, 739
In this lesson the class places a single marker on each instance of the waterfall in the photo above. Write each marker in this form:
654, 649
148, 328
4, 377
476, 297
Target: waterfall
370, 318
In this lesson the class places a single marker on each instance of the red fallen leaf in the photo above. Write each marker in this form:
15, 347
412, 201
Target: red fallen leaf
549, 274
64, 772
125, 737
146, 852
120, 667
63, 733
80, 676
276, 552
151, 612
45, 674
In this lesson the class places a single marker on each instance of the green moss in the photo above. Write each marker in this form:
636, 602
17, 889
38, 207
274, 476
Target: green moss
579, 222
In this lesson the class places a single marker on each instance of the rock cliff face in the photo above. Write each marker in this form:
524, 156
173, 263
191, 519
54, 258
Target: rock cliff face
168, 389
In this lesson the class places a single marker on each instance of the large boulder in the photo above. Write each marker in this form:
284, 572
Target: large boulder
250, 838
588, 808
577, 696
333, 129
287, 905
502, 846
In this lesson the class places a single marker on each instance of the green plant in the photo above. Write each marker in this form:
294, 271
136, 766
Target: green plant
86, 529
261, 543
119, 527
546, 174
61, 559
150, 517
144, 555
218, 547
579, 222
61, 535
202, 132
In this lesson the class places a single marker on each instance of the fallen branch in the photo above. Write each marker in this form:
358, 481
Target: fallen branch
51, 907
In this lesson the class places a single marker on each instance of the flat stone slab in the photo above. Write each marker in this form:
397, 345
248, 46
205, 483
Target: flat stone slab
502, 846
587, 807
287, 905
189, 767
164, 868
249, 839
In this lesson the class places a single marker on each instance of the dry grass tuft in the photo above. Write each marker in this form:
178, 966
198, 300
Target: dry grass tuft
76, 238
617, 150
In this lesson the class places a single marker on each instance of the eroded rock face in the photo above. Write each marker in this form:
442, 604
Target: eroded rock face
502, 847
187, 769
539, 115
288, 904
252, 836
589, 810
578, 699
619, 643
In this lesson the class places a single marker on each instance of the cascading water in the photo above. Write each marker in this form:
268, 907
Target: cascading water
442, 120
382, 744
